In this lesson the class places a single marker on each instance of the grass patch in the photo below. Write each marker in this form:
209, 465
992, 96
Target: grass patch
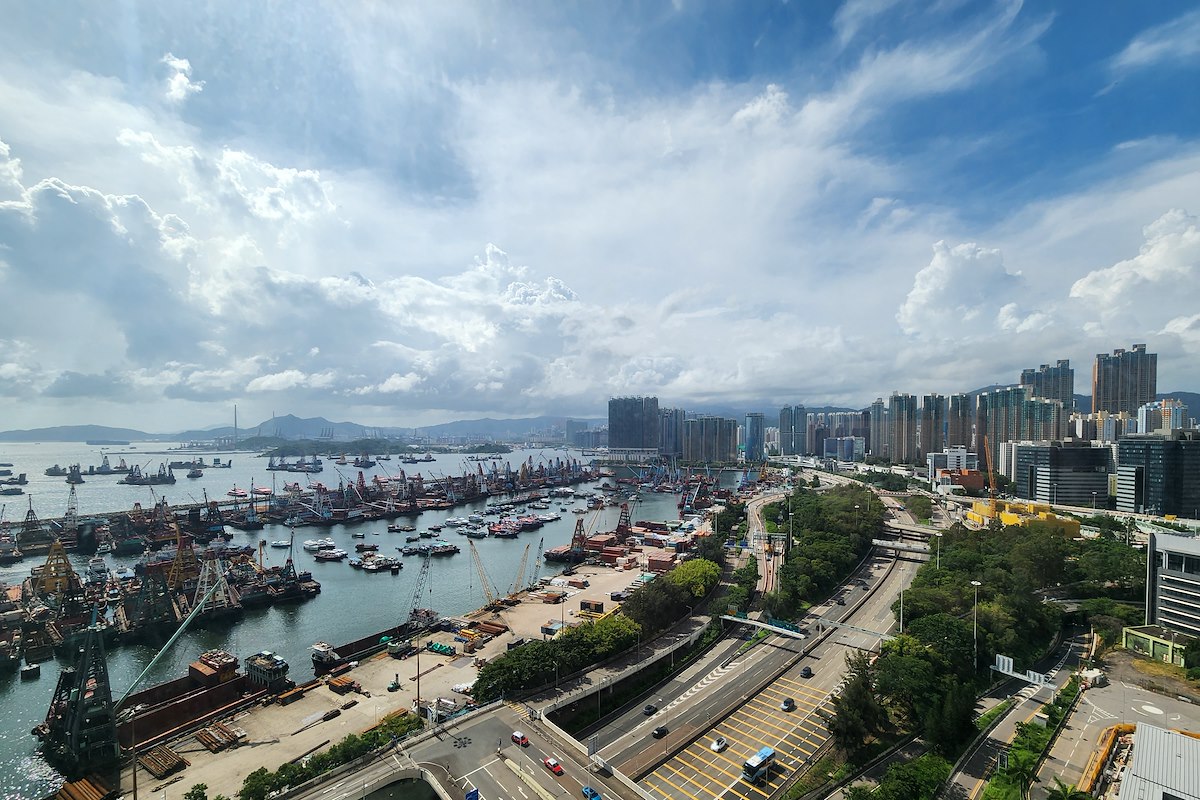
988, 716
1158, 669
827, 768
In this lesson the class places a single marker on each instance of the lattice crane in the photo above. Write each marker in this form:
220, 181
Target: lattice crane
987, 457
488, 591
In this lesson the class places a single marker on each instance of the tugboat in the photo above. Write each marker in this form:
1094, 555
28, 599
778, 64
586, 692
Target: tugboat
30, 671
56, 472
74, 474
195, 472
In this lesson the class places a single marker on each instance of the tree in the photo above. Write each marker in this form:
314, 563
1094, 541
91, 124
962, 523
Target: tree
815, 482
951, 725
1066, 791
857, 714
198, 791
698, 576
256, 785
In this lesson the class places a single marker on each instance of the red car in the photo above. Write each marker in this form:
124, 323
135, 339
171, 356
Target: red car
553, 765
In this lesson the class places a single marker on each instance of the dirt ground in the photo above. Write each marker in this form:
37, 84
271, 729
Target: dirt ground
1123, 665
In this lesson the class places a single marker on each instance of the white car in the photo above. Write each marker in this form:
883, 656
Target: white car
718, 744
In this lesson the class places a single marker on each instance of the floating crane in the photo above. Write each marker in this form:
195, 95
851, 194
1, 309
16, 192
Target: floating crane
415, 610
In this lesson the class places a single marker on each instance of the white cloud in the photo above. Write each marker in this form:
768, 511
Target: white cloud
769, 107
399, 383
1168, 261
853, 15
961, 288
179, 85
1176, 41
278, 381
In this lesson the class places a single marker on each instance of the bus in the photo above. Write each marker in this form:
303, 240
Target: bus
758, 767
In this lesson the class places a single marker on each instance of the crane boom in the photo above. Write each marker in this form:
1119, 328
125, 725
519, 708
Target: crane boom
987, 456
516, 584
483, 578
422, 578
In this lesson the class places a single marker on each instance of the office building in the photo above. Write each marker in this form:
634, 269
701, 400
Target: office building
1053, 383
1173, 583
902, 428
1124, 381
633, 423
1159, 474
1070, 473
877, 438
933, 423
756, 437
947, 467
960, 414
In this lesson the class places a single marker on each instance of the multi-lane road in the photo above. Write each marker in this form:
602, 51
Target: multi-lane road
738, 696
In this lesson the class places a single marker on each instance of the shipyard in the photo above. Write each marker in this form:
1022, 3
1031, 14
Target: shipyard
77, 606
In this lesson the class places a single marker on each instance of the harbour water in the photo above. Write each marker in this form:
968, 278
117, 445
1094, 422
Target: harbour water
352, 603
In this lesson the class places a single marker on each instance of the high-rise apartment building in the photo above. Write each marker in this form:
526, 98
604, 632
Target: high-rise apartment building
633, 423
960, 413
1053, 383
878, 437
1012, 414
1124, 381
902, 428
710, 440
1162, 416
755, 437
670, 431
933, 424
793, 430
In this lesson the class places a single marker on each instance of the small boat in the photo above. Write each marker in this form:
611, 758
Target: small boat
240, 494
30, 671
412, 538
262, 491
358, 535
330, 554
281, 543
195, 472
363, 547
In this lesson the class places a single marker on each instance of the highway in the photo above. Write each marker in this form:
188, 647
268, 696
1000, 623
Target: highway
695, 772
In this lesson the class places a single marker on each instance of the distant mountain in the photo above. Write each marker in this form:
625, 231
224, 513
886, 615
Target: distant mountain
501, 428
292, 427
78, 433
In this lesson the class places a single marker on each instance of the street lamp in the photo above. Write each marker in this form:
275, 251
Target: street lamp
856, 516
975, 628
1093, 501
939, 551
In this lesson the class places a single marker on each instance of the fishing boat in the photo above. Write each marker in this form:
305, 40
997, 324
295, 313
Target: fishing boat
330, 554
281, 543
239, 494
195, 472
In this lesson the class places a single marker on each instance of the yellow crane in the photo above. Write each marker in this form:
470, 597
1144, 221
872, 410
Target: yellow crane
987, 457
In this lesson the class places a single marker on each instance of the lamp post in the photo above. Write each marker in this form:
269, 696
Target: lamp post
1093, 501
938, 563
856, 517
975, 628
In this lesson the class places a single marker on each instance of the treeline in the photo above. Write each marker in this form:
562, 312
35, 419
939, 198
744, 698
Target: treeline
831, 533
648, 609
925, 680
262, 782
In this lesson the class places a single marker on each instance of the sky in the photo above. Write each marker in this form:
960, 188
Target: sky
404, 213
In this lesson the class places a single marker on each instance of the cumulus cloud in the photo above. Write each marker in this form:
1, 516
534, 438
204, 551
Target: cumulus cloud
179, 85
1168, 260
1177, 41
961, 287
